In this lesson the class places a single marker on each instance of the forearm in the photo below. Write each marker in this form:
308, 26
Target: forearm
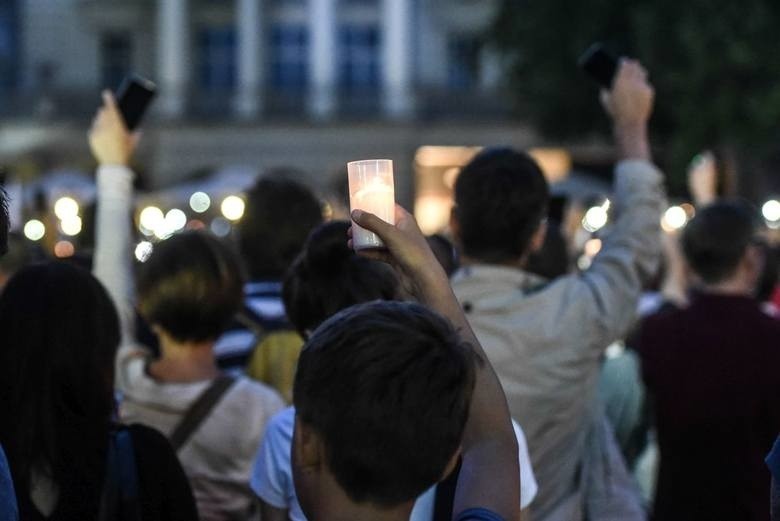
437, 294
113, 260
630, 252
489, 443
632, 141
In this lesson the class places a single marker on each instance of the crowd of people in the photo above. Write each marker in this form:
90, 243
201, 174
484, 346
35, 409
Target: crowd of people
289, 377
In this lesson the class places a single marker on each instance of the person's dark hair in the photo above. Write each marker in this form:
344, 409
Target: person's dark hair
191, 286
328, 276
60, 337
4, 222
716, 238
770, 274
500, 199
279, 215
18, 255
387, 386
444, 251
552, 260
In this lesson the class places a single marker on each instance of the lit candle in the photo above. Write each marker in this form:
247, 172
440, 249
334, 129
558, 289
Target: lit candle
371, 189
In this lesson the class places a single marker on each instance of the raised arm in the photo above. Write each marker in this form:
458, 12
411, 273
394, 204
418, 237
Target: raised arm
631, 248
112, 146
489, 476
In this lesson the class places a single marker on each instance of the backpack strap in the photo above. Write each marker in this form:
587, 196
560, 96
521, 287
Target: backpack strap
199, 410
120, 500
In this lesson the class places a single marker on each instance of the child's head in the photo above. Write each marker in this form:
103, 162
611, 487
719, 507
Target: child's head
382, 394
328, 276
191, 287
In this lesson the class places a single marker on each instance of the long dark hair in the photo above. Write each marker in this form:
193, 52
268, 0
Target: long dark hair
60, 333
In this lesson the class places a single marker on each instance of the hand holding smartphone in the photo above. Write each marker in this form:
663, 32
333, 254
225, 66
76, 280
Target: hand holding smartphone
133, 98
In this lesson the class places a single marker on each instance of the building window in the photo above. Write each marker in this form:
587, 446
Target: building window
463, 62
8, 44
116, 58
289, 58
217, 50
359, 52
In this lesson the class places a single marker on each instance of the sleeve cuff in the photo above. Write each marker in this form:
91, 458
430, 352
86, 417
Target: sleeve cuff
114, 180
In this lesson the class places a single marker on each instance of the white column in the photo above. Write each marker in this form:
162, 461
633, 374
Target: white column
172, 56
322, 58
397, 97
248, 102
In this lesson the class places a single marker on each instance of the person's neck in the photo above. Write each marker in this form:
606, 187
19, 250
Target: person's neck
517, 264
184, 361
735, 287
333, 504
330, 511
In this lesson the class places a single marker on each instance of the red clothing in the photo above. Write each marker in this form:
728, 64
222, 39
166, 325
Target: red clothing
713, 373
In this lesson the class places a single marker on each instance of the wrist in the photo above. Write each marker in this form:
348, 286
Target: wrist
432, 283
108, 162
631, 140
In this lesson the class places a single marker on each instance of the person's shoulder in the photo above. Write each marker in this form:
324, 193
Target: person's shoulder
147, 439
771, 323
283, 421
279, 429
666, 316
257, 393
770, 334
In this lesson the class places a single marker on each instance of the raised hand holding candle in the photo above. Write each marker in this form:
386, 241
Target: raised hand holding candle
371, 189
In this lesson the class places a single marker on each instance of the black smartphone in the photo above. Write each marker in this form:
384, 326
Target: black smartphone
600, 64
133, 98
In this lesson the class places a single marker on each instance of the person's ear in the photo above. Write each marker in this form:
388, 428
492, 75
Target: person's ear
537, 239
307, 446
451, 464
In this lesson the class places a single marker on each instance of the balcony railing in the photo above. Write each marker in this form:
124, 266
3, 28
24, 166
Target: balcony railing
431, 104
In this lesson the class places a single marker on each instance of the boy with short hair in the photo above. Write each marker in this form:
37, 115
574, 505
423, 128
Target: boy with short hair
389, 395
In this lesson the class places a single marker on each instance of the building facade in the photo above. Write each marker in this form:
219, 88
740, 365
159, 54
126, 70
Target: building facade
254, 60
308, 84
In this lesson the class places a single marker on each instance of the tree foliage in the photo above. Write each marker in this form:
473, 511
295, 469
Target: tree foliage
714, 63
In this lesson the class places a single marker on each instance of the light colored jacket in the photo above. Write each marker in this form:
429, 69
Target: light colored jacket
545, 339
219, 455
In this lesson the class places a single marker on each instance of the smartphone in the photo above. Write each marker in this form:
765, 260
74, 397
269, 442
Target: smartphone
600, 64
133, 98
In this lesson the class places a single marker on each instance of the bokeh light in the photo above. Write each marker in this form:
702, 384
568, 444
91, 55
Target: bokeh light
200, 202
175, 220
220, 227
143, 250
71, 225
64, 249
674, 218
34, 230
233, 207
66, 208
151, 217
595, 219
771, 210
592, 247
